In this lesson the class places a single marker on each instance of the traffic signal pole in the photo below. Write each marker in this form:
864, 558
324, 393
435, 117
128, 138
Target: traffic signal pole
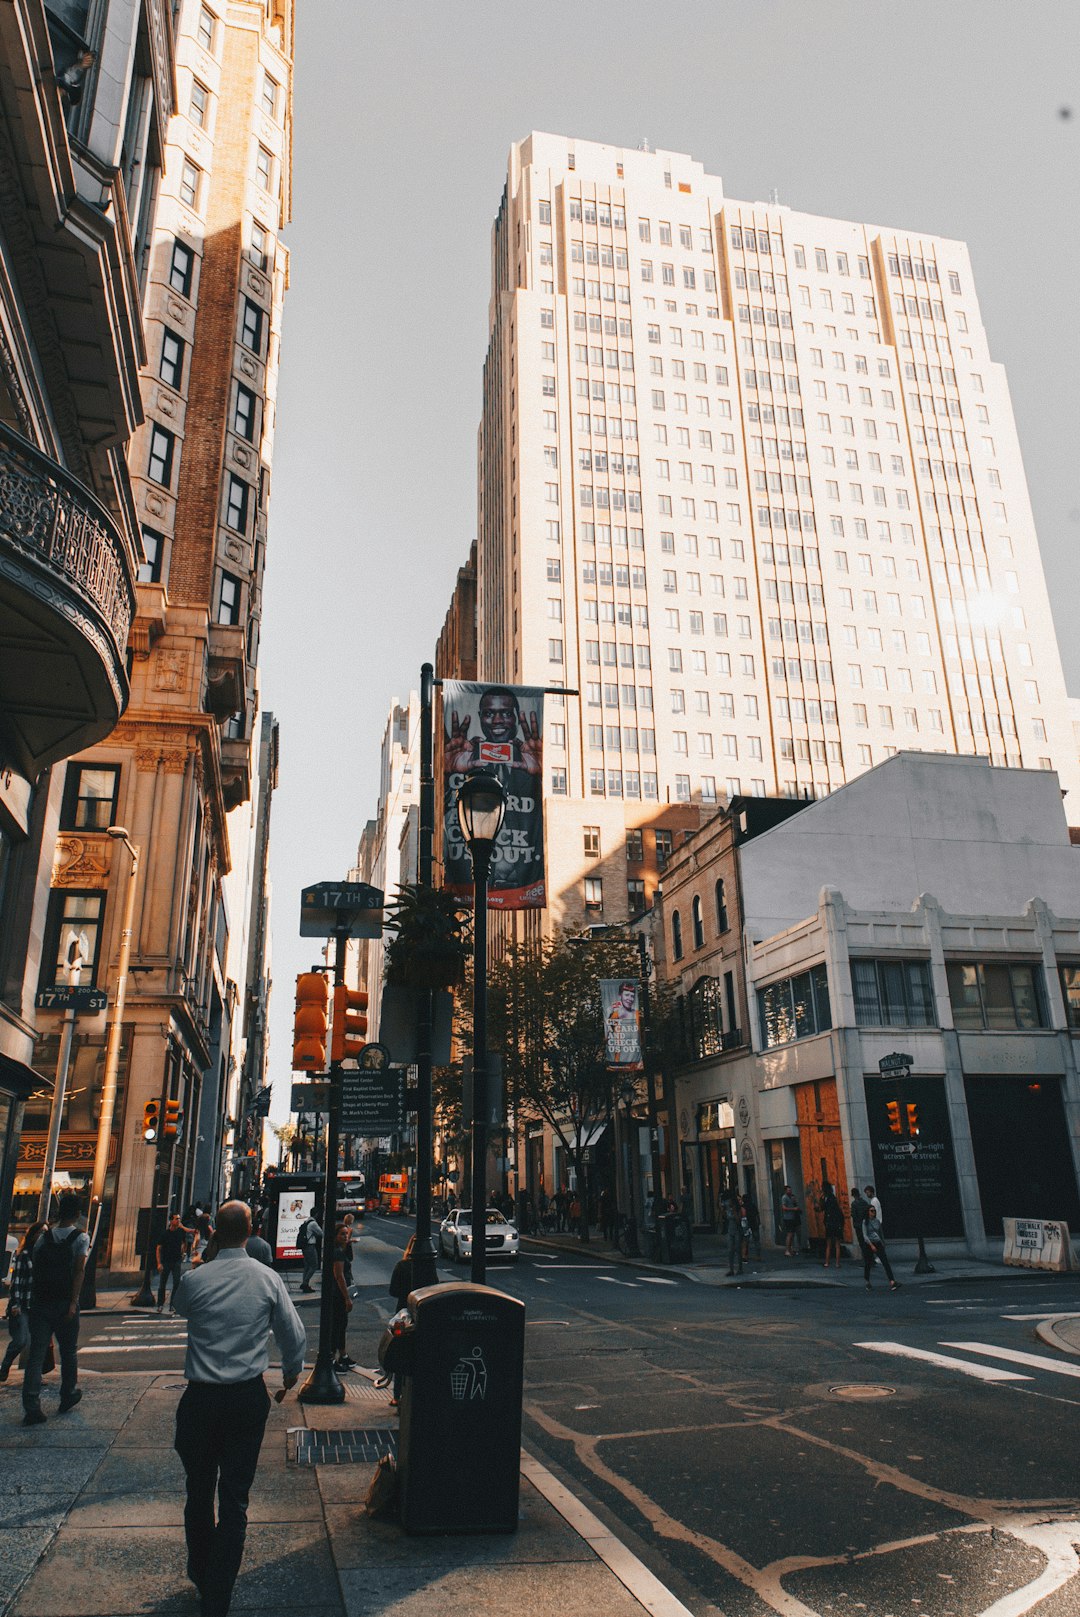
423, 1271
324, 1386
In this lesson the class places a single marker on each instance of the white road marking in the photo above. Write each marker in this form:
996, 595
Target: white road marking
1012, 1356
656, 1280
540, 1281
981, 1372
611, 1281
645, 1587
579, 1265
1038, 1316
136, 1347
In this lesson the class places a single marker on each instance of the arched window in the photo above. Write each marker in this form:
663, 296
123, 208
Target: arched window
676, 935
722, 922
699, 924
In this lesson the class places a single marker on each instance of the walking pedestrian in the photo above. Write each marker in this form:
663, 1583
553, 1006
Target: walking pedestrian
348, 1222
231, 1306
790, 1222
875, 1248
341, 1301
57, 1264
401, 1283
309, 1235
560, 1200
731, 1206
752, 1215
258, 1248
18, 1309
860, 1208
833, 1215
169, 1256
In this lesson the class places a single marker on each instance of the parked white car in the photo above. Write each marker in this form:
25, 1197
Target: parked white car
455, 1236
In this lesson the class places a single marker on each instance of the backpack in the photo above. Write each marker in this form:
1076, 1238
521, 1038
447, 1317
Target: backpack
53, 1267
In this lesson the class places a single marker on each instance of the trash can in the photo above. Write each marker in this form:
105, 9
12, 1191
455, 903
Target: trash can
677, 1241
459, 1445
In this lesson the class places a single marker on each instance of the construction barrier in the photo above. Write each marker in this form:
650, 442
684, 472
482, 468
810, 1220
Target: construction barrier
1037, 1243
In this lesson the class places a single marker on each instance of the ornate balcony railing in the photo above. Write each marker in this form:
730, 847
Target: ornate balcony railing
54, 519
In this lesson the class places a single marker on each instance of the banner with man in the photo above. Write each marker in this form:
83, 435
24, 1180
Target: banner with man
622, 1023
499, 728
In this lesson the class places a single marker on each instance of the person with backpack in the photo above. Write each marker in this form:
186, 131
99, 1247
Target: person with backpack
790, 1222
833, 1215
18, 1313
308, 1237
57, 1265
860, 1209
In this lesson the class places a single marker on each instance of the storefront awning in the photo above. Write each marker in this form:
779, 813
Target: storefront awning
19, 1079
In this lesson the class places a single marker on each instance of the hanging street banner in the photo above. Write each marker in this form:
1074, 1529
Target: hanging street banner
499, 728
622, 1023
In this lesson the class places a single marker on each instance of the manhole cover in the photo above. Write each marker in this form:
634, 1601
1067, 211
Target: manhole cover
862, 1389
356, 1446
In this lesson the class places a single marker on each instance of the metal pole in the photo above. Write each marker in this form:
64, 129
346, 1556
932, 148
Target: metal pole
423, 1262
323, 1385
56, 1116
112, 1056
481, 856
650, 1076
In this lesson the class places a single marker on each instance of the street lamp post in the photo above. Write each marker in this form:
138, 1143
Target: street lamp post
626, 1095
77, 952
481, 804
112, 1065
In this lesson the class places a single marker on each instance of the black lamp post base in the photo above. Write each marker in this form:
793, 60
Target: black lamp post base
423, 1268
323, 1386
144, 1298
923, 1265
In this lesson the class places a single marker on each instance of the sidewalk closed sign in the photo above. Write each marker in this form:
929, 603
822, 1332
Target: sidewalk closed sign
1037, 1243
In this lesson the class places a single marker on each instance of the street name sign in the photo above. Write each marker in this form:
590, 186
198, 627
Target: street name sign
350, 905
90, 1001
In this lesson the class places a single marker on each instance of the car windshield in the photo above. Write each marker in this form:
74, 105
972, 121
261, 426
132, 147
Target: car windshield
493, 1217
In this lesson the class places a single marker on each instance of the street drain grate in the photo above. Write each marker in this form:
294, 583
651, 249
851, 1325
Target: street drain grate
364, 1445
862, 1389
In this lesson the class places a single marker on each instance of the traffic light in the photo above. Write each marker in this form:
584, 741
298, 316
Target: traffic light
151, 1121
350, 1023
892, 1112
912, 1118
309, 1022
174, 1120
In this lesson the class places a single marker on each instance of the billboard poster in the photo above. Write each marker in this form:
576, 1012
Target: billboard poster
293, 1207
914, 1166
622, 1023
499, 728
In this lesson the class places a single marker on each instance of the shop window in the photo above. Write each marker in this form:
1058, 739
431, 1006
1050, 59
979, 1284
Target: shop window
996, 995
71, 913
893, 993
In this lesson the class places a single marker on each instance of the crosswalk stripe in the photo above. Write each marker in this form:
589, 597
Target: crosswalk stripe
611, 1281
981, 1372
656, 1280
1038, 1361
135, 1347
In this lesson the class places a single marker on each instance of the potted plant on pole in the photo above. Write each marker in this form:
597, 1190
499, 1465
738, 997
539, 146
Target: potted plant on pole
429, 946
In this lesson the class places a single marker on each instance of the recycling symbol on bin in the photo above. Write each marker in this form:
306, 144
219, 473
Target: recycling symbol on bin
469, 1377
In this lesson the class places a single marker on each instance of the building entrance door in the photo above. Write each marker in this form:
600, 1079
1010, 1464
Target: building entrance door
1022, 1158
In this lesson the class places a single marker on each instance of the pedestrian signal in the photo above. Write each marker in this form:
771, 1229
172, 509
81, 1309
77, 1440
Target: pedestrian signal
151, 1121
892, 1112
309, 1022
350, 1023
174, 1120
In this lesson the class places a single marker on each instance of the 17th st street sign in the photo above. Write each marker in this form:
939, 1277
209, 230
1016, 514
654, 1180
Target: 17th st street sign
350, 906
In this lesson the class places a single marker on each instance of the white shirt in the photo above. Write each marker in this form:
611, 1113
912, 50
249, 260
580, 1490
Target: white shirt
231, 1306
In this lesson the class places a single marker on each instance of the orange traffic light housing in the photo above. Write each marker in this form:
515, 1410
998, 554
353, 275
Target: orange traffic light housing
171, 1129
309, 1022
151, 1121
350, 1023
892, 1112
912, 1118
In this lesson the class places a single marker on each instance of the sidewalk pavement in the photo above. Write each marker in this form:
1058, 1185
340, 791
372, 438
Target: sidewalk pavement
91, 1523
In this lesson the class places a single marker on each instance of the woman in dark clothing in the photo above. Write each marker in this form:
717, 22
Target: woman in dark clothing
341, 1301
18, 1314
833, 1215
401, 1283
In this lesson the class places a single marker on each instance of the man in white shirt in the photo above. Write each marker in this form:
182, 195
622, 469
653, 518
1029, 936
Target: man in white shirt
231, 1305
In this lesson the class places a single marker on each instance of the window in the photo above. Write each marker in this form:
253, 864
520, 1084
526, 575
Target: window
207, 28
171, 369
154, 549
70, 913
244, 413
676, 936
635, 847
594, 893
892, 993
559, 782
269, 95
181, 267
162, 444
995, 995
591, 835
635, 895
664, 847
90, 794
260, 245
229, 596
251, 326
1070, 988
795, 1007
237, 505
722, 922
264, 168
190, 181
698, 923
199, 105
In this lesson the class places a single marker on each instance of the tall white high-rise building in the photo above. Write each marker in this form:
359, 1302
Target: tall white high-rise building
749, 482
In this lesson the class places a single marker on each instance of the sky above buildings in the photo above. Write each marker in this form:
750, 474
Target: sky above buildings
941, 118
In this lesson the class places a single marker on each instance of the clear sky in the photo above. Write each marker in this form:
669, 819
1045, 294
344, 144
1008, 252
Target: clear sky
940, 117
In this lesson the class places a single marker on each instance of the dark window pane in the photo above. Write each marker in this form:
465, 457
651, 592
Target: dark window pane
964, 994
864, 984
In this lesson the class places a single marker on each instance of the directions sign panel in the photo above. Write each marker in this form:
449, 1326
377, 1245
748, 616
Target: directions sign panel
372, 1102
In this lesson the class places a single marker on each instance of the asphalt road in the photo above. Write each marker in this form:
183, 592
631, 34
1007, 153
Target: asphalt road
802, 1451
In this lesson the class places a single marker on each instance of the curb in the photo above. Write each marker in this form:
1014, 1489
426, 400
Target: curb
1048, 1331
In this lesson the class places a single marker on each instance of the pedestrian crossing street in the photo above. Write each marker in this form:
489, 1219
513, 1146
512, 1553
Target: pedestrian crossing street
1005, 1364
139, 1333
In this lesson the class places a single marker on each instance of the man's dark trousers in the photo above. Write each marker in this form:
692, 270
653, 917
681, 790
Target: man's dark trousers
219, 1432
170, 1277
44, 1324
